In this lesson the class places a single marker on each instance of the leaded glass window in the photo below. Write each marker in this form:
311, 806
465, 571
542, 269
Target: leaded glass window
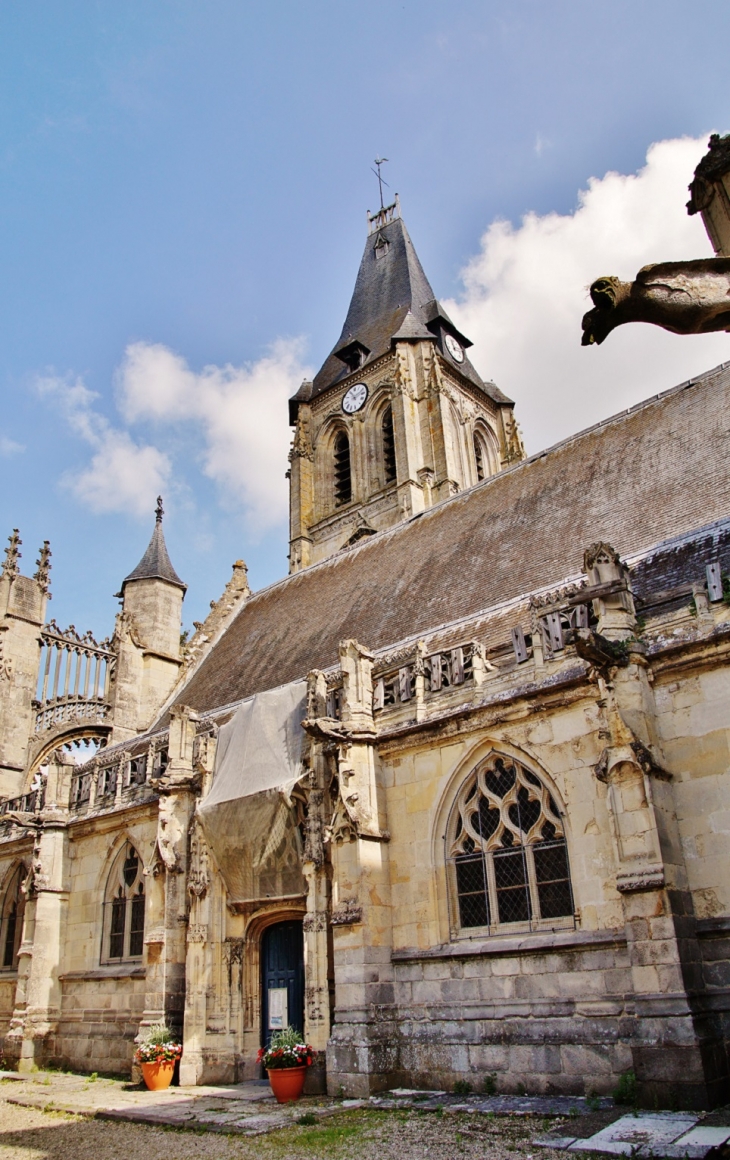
11, 928
506, 850
124, 908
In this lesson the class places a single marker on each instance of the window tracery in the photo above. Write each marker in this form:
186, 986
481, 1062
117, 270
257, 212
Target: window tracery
124, 908
506, 850
11, 929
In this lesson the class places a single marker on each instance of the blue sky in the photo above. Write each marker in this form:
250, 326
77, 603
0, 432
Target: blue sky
184, 185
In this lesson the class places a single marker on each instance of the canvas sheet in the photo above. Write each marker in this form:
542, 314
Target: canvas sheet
247, 816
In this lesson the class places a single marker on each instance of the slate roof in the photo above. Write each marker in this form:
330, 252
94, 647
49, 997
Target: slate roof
156, 563
651, 474
392, 299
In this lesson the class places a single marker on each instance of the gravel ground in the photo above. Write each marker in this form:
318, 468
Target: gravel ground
29, 1134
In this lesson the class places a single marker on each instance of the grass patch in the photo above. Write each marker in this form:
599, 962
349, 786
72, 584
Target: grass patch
331, 1136
626, 1091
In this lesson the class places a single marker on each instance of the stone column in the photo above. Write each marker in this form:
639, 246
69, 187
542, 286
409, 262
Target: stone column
301, 491
362, 1054
435, 400
407, 432
49, 884
177, 787
317, 1016
192, 1065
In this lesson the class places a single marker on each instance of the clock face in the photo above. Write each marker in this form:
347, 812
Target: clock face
355, 398
454, 348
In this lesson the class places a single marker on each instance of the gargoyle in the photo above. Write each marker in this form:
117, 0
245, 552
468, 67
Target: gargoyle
684, 297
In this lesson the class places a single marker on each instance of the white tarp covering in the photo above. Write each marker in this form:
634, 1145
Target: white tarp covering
247, 816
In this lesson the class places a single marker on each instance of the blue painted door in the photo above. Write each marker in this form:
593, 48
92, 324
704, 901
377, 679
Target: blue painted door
282, 971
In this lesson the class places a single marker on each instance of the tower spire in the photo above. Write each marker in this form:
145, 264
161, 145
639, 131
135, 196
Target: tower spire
156, 563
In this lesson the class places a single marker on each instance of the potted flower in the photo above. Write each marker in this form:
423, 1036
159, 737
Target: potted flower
286, 1060
157, 1056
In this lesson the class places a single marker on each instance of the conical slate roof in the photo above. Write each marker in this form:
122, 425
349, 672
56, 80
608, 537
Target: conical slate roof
392, 300
156, 564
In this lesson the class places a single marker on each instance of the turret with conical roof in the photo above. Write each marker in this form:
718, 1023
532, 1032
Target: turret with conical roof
397, 417
156, 563
147, 635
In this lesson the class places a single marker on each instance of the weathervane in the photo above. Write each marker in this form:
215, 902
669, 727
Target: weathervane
159, 510
380, 161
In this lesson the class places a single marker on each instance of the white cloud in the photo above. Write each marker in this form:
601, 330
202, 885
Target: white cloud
9, 447
241, 413
527, 290
123, 476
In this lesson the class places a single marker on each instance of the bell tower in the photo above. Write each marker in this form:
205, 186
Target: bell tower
397, 419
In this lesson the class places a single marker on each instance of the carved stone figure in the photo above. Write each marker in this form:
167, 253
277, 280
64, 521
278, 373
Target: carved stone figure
684, 297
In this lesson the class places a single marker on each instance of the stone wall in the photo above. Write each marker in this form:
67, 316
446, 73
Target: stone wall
100, 1016
638, 984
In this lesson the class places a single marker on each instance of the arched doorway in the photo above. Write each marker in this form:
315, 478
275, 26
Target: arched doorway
282, 978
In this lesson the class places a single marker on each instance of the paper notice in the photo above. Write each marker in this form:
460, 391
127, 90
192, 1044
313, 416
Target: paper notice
278, 1008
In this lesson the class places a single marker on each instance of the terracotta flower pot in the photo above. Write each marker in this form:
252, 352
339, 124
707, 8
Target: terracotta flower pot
158, 1076
287, 1083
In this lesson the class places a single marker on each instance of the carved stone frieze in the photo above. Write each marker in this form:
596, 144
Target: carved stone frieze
316, 921
558, 596
640, 879
394, 659
346, 913
197, 932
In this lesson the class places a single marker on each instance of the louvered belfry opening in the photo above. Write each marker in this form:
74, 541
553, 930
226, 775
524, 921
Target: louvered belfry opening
343, 476
388, 446
479, 456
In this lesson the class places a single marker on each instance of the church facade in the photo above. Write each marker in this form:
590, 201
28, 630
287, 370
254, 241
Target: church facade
453, 797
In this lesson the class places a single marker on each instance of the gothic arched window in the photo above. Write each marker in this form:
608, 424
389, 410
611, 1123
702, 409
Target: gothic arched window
389, 468
506, 850
343, 477
124, 908
11, 928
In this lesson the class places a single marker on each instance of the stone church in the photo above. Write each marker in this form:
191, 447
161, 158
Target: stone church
452, 797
